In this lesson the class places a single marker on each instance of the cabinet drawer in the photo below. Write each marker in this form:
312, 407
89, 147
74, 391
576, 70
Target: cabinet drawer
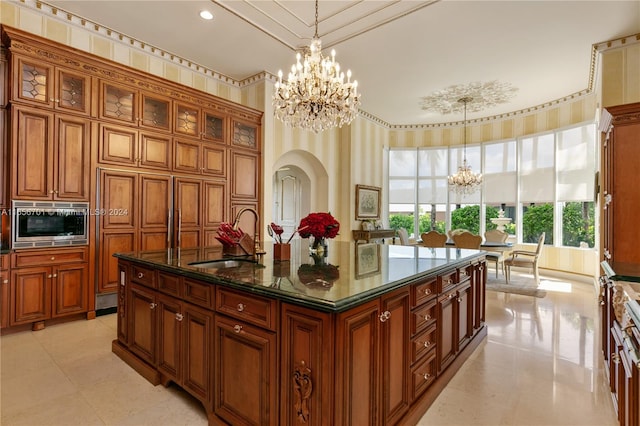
423, 292
170, 284
199, 293
250, 308
447, 281
464, 274
423, 316
46, 258
143, 276
423, 374
423, 343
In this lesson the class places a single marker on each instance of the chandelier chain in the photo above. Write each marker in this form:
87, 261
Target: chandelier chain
316, 34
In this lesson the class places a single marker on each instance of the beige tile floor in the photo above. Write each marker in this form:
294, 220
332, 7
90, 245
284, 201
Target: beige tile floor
539, 366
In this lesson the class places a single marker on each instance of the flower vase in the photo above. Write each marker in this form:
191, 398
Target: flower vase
318, 247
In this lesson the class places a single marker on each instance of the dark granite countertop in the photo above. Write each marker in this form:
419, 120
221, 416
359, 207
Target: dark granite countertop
350, 274
618, 271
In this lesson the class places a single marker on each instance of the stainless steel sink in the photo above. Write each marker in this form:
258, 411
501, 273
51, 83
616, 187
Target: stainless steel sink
222, 263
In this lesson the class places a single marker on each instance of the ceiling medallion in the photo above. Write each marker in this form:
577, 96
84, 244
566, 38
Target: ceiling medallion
483, 96
316, 96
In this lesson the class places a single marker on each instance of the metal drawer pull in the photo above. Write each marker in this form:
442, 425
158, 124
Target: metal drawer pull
449, 281
152, 305
179, 317
385, 316
427, 317
5, 282
237, 328
140, 275
49, 276
427, 344
426, 376
427, 291
53, 258
55, 275
240, 307
459, 299
615, 358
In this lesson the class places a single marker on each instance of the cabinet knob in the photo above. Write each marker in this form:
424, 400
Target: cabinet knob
6, 281
179, 316
615, 358
49, 276
427, 344
140, 275
237, 328
427, 291
55, 275
426, 376
385, 316
152, 305
427, 317
53, 258
449, 281
51, 191
240, 307
459, 300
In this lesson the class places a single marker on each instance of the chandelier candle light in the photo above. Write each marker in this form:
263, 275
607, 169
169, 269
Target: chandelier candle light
315, 96
465, 182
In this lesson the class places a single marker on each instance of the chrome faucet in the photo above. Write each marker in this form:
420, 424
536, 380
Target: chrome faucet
257, 250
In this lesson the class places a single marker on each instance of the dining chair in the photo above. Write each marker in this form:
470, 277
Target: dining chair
433, 239
467, 240
495, 236
404, 237
524, 258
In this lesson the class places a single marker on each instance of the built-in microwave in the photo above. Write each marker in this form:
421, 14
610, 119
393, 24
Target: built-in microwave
47, 224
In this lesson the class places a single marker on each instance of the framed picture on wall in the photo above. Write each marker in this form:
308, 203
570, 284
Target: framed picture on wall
367, 202
367, 259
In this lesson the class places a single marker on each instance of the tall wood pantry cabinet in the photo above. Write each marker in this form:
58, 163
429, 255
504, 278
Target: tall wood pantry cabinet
159, 164
620, 204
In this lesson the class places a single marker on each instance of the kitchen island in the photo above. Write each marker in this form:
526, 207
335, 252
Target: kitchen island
361, 334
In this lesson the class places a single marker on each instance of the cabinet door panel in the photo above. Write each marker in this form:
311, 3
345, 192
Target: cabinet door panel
155, 151
4, 299
188, 202
70, 289
142, 323
155, 193
245, 373
187, 120
357, 364
118, 103
169, 337
214, 160
447, 330
197, 350
244, 175
155, 112
73, 92
34, 82
73, 149
396, 355
118, 145
110, 243
186, 157
33, 154
30, 295
215, 204
118, 194
465, 315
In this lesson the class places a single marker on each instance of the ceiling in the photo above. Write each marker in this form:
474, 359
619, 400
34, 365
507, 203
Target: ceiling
399, 51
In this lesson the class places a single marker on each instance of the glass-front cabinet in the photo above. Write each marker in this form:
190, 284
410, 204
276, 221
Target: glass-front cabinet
134, 107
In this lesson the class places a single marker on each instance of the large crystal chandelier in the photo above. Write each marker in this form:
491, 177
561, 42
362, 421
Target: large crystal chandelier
315, 96
465, 182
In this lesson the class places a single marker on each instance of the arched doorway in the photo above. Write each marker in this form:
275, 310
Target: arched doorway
299, 188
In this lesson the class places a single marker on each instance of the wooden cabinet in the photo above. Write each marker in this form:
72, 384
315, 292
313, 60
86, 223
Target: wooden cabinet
200, 206
4, 132
196, 122
245, 172
375, 361
185, 337
127, 146
4, 291
50, 155
134, 215
620, 149
134, 107
620, 258
195, 157
245, 135
38, 83
48, 284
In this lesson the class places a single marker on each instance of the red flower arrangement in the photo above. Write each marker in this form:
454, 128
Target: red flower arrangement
319, 225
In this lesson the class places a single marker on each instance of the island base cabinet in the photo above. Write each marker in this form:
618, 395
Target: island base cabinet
245, 374
307, 362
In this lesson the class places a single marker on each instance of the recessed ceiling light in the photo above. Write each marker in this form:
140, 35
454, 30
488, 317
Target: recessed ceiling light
205, 14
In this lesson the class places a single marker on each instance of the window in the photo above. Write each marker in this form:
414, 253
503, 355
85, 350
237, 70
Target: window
538, 181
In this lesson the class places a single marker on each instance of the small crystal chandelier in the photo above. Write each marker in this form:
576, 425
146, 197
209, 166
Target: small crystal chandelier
315, 96
465, 182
